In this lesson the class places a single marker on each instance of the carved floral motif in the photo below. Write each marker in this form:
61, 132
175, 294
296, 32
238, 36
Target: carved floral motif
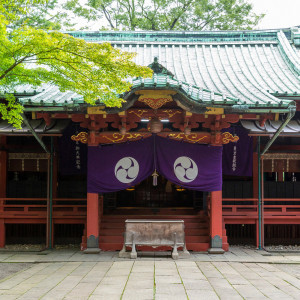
228, 137
191, 138
139, 113
155, 103
171, 112
120, 138
80, 137
155, 98
117, 137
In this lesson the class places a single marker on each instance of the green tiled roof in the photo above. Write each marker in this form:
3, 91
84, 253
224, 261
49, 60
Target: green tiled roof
228, 68
175, 37
195, 93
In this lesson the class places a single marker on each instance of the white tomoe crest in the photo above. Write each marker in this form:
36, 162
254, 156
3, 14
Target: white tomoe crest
185, 169
127, 169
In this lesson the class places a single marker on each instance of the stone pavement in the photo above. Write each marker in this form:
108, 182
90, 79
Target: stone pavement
70, 274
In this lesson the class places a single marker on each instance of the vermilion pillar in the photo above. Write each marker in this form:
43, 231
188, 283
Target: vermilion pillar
92, 223
216, 223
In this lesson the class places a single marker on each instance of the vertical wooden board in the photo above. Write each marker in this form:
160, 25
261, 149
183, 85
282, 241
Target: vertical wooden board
267, 189
3, 173
231, 189
273, 189
289, 189
238, 189
296, 185
280, 187
247, 189
225, 190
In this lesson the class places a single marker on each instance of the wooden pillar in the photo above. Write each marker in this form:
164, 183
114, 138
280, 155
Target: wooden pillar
92, 223
216, 223
3, 181
54, 176
262, 206
100, 208
3, 173
255, 175
2, 233
257, 233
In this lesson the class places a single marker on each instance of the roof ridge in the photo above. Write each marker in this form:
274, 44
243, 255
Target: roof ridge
142, 82
176, 36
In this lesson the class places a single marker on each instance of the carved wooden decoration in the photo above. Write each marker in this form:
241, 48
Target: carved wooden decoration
194, 138
111, 137
155, 98
227, 137
121, 138
80, 137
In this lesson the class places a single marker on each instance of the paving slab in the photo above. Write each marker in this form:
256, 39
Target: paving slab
68, 274
197, 284
203, 294
138, 294
167, 279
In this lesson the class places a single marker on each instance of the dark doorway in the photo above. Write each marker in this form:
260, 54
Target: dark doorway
165, 194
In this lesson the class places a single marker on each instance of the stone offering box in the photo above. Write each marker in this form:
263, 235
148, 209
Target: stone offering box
154, 233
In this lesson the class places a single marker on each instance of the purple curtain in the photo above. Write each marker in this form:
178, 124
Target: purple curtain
72, 155
238, 157
116, 167
193, 166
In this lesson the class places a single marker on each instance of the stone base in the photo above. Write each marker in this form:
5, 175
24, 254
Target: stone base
184, 254
133, 255
91, 251
215, 251
124, 254
128, 254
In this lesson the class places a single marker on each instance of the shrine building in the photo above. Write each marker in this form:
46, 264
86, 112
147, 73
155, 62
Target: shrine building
213, 138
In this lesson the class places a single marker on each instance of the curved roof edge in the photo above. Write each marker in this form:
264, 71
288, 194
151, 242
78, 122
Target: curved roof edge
193, 97
288, 52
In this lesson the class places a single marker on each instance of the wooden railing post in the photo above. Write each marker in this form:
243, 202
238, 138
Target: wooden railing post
216, 223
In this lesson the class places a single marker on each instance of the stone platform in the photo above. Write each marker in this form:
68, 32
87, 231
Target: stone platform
69, 274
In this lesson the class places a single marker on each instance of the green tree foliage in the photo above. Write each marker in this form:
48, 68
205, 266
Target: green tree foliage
44, 15
169, 14
33, 56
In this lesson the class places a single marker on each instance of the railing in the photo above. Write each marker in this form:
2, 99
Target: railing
37, 208
274, 208
76, 208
